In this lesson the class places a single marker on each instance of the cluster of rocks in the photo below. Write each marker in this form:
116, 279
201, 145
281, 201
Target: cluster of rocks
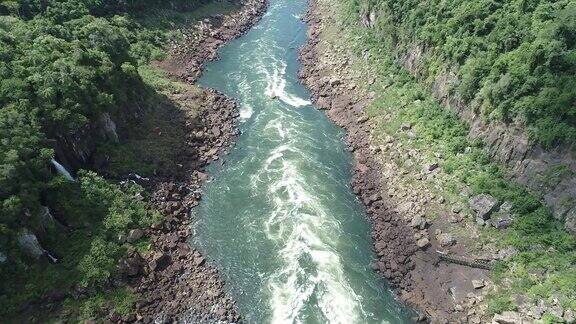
201, 42
176, 278
530, 312
490, 211
173, 281
333, 91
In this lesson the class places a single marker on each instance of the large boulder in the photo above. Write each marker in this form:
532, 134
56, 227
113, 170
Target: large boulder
134, 235
423, 243
508, 317
503, 218
419, 222
29, 244
484, 205
446, 239
160, 261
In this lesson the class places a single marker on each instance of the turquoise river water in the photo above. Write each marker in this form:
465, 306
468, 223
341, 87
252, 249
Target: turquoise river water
279, 218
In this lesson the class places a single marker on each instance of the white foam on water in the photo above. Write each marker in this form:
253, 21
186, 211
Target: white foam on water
62, 170
246, 112
307, 236
277, 88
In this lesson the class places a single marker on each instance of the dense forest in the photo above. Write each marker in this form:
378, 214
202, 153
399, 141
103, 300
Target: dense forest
516, 60
65, 68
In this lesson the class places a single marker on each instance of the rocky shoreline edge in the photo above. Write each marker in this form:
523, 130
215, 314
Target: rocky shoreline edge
173, 281
410, 265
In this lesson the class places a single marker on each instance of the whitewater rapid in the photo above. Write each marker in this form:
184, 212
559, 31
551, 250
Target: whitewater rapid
279, 218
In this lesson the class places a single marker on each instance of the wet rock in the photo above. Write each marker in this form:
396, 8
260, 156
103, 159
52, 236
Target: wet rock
484, 205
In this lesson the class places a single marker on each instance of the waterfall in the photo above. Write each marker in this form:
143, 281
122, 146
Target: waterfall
62, 170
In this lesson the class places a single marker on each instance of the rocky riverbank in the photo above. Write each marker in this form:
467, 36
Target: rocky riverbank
405, 240
173, 281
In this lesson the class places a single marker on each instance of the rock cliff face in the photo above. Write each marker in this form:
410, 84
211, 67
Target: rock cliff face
550, 173
77, 150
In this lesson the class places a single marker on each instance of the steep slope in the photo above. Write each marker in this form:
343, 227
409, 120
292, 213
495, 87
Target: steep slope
505, 67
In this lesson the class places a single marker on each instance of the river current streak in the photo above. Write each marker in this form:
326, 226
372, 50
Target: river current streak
279, 218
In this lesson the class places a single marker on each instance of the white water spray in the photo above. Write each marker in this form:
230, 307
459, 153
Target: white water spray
277, 88
62, 170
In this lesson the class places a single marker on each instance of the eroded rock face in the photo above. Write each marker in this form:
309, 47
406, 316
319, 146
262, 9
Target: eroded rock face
550, 172
570, 221
107, 128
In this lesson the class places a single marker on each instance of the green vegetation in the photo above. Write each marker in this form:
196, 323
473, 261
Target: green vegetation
545, 265
516, 60
500, 303
97, 213
63, 63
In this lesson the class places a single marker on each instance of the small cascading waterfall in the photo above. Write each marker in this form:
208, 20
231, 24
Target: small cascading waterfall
62, 170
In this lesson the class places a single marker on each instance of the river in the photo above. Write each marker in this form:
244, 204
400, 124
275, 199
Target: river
279, 217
